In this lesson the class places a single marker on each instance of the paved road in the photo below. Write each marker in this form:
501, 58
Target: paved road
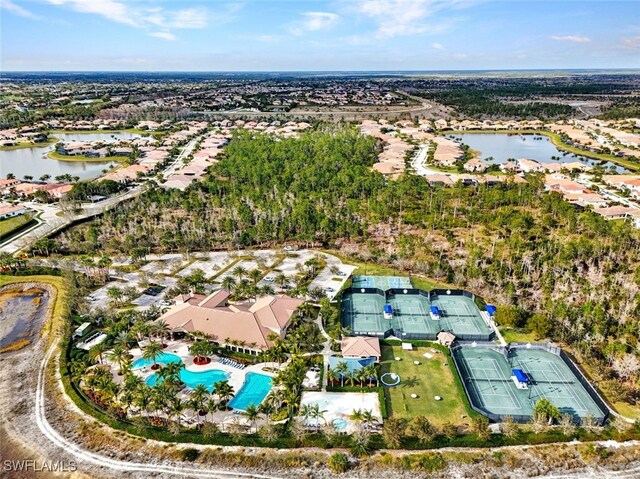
51, 222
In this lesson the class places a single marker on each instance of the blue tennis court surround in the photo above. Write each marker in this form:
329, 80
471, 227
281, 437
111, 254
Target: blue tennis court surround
255, 388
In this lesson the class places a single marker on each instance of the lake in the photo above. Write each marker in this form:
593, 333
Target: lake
502, 146
34, 161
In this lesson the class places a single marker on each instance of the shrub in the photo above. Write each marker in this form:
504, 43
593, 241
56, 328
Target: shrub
339, 462
190, 454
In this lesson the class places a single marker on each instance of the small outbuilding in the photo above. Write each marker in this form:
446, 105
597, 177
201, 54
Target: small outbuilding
446, 338
361, 347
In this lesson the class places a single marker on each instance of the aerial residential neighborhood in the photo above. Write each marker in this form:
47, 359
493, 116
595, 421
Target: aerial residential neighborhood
354, 239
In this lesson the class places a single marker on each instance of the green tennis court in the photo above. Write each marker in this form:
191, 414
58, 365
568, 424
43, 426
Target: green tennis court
487, 373
460, 315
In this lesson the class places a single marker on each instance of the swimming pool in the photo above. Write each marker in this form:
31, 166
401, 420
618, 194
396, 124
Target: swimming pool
255, 388
339, 424
192, 379
164, 358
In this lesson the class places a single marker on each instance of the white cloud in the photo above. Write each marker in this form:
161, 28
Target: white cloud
631, 43
315, 21
571, 38
190, 18
170, 37
138, 15
394, 18
9, 6
438, 46
110, 9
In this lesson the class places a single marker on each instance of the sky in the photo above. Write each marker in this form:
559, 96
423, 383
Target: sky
306, 35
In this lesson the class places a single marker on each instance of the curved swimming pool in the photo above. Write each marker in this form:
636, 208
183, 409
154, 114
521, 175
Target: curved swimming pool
164, 358
192, 379
255, 388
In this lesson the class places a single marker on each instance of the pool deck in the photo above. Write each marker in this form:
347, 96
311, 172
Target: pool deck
338, 405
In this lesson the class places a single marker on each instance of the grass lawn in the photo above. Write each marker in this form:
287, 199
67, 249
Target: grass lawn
627, 410
10, 225
57, 156
512, 335
428, 379
29, 144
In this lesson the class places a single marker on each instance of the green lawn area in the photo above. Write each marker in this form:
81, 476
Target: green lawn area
428, 379
512, 335
57, 156
627, 410
10, 225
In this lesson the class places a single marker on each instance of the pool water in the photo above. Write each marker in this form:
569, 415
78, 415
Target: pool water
339, 424
164, 358
253, 391
192, 379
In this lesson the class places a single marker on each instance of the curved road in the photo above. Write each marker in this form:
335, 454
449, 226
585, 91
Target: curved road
114, 464
100, 460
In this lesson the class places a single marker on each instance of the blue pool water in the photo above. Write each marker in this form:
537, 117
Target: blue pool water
340, 424
192, 379
164, 358
253, 391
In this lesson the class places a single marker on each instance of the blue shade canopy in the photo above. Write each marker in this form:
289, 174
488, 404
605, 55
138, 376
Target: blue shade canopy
520, 375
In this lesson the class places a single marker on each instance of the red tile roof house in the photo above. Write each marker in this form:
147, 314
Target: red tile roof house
361, 347
241, 326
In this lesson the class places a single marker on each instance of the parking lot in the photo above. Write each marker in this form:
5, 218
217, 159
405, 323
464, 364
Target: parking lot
166, 270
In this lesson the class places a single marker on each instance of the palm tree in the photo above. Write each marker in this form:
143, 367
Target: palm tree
201, 349
357, 416
170, 373
239, 272
151, 352
251, 413
228, 283
351, 377
118, 355
176, 407
116, 294
342, 369
211, 406
306, 411
224, 391
255, 275
198, 398
123, 339
267, 408
143, 398
267, 290
281, 280
160, 329
371, 372
97, 351
331, 376
368, 417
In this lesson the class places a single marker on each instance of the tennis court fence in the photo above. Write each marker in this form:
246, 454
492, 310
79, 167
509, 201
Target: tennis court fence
539, 346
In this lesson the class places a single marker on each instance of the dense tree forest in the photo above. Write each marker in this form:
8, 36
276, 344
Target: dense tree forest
500, 104
560, 272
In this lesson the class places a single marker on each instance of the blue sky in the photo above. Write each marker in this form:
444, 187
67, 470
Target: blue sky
216, 35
